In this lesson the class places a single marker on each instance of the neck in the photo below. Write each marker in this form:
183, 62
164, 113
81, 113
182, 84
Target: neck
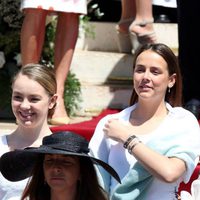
147, 110
23, 137
63, 195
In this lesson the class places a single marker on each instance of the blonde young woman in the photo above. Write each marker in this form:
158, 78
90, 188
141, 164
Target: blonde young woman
33, 100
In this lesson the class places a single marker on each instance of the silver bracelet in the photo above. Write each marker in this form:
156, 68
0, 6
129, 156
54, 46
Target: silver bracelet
128, 141
133, 144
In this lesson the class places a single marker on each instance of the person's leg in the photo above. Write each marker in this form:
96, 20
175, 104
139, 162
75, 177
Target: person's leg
32, 35
128, 12
141, 30
65, 41
136, 25
144, 10
144, 15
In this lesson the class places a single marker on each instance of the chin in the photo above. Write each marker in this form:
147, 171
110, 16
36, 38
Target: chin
25, 122
145, 95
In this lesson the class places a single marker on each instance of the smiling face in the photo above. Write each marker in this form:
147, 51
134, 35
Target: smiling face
61, 172
151, 77
30, 101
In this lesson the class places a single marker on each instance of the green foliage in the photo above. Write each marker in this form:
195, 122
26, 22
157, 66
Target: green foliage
10, 13
10, 24
48, 49
72, 94
10, 43
86, 27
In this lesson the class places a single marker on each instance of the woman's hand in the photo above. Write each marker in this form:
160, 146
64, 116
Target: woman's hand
117, 130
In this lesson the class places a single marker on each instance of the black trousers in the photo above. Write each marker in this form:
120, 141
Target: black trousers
189, 46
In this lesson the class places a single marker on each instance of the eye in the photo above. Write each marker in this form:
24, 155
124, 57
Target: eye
139, 69
35, 99
48, 161
66, 162
17, 98
155, 71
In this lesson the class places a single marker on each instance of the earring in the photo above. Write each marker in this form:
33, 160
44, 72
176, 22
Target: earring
169, 89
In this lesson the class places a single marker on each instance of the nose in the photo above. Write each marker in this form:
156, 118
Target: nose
56, 166
146, 75
56, 169
25, 104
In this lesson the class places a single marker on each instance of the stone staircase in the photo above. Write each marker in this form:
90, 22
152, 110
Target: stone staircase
104, 73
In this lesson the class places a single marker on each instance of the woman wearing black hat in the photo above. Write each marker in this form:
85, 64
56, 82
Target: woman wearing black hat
60, 169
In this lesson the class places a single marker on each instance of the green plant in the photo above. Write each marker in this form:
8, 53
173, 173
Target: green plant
72, 94
10, 24
86, 27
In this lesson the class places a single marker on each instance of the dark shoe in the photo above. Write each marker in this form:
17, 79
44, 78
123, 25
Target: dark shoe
162, 19
194, 107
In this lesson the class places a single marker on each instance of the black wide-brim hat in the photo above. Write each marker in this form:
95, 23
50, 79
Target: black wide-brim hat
18, 164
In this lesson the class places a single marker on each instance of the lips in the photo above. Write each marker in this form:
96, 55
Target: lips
26, 115
56, 178
144, 86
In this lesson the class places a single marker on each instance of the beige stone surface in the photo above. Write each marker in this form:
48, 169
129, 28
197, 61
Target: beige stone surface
7, 127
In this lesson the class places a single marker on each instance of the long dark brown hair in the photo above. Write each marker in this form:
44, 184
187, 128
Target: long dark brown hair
88, 187
174, 97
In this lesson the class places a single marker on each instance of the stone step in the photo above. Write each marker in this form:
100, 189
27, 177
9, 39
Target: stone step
96, 67
105, 36
98, 97
105, 79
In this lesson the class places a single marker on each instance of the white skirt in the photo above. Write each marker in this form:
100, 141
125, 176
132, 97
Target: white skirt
71, 6
165, 3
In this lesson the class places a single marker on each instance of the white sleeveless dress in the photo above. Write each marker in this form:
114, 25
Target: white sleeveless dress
9, 190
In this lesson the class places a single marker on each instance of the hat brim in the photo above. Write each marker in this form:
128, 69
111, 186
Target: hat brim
18, 165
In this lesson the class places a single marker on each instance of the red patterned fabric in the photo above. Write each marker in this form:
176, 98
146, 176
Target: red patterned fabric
194, 176
187, 187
